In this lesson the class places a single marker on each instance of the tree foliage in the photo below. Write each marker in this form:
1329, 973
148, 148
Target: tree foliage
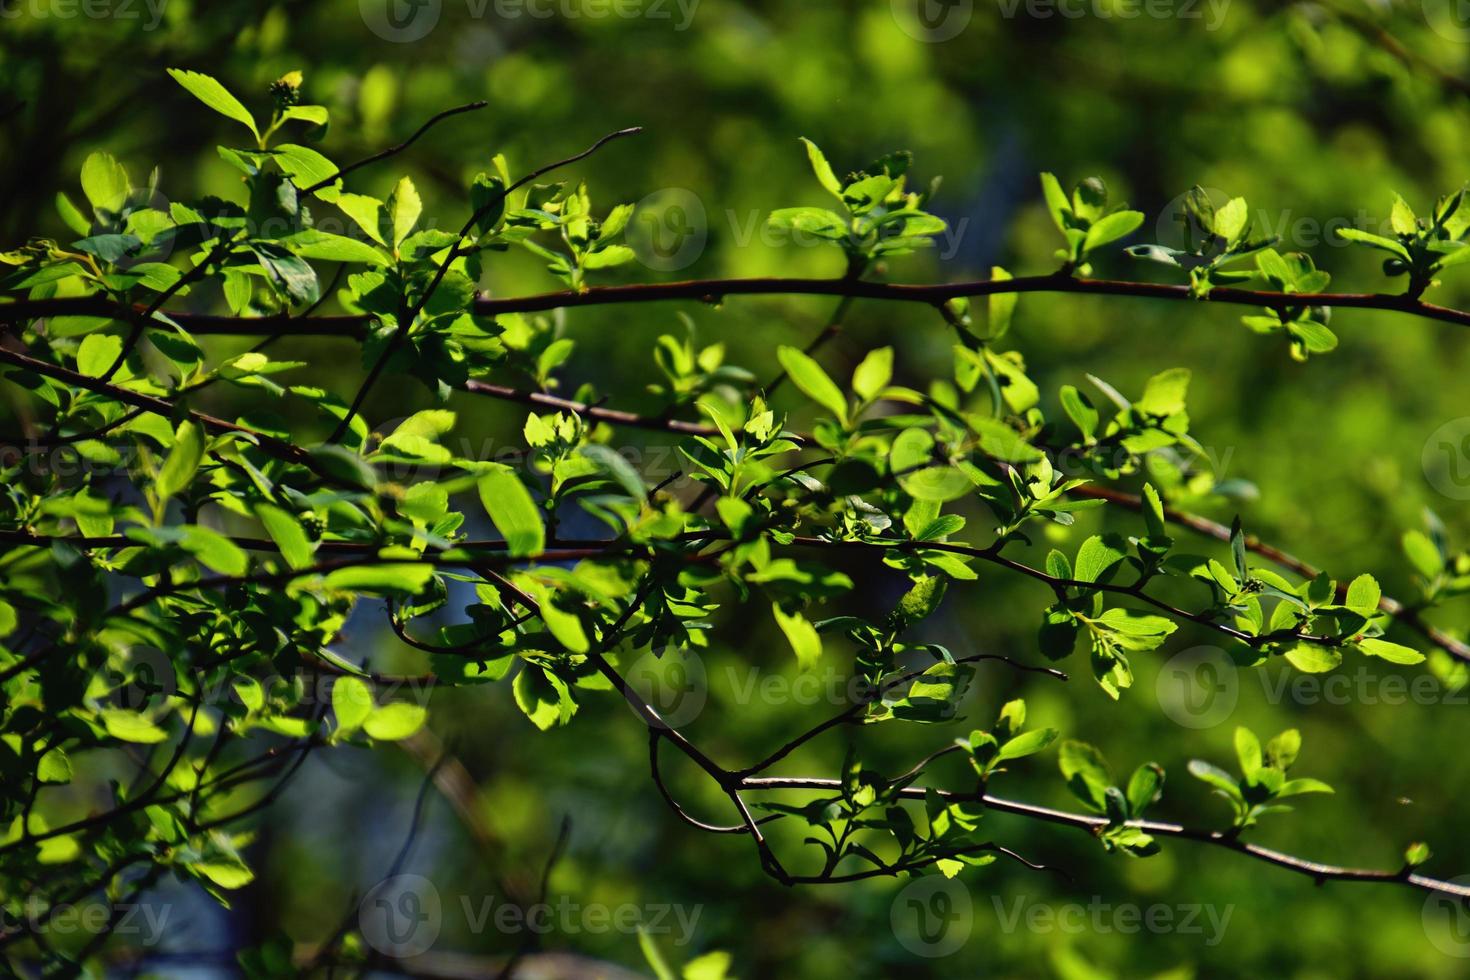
178, 598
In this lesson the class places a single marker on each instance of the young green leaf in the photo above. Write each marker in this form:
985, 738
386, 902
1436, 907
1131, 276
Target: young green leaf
216, 96
513, 511
808, 375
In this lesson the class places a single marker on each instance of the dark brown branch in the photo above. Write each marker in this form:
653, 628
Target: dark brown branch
715, 290
993, 556
390, 151
851, 712
280, 448
1227, 839
1214, 529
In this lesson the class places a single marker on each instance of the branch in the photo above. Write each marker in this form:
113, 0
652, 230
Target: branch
390, 151
1214, 529
992, 555
279, 448
715, 290
1226, 839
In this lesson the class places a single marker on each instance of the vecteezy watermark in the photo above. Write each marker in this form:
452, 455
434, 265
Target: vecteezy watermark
1103, 917
932, 21
668, 230
1450, 19
932, 916
143, 923
671, 228
1198, 687
406, 21
151, 679
1446, 459
402, 916
1291, 231
565, 917
148, 11
1446, 921
673, 682
1212, 12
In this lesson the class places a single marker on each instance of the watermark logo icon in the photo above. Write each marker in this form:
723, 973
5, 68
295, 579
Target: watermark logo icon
401, 916
669, 229
401, 21
151, 679
932, 916
674, 684
1450, 19
1176, 227
1446, 459
932, 21
1198, 687
1446, 921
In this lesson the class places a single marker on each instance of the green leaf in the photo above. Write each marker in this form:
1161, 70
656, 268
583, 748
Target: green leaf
1248, 751
1144, 787
802, 636
808, 375
395, 722
1164, 393
286, 531
366, 211
1423, 554
1000, 306
822, 169
399, 578
313, 244
54, 767
216, 96
922, 598
1231, 219
655, 958
564, 626
105, 183
305, 166
130, 726
1281, 751
1027, 743
1056, 201
97, 353
352, 702
1112, 227
214, 550
227, 871
1214, 776
1098, 554
1080, 410
1313, 658
183, 461
1401, 217
1298, 787
1395, 653
513, 511
1376, 241
1086, 773
873, 374
1363, 594
618, 467
403, 210
71, 215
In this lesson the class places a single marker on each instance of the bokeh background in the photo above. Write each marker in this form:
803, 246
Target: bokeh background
1315, 113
